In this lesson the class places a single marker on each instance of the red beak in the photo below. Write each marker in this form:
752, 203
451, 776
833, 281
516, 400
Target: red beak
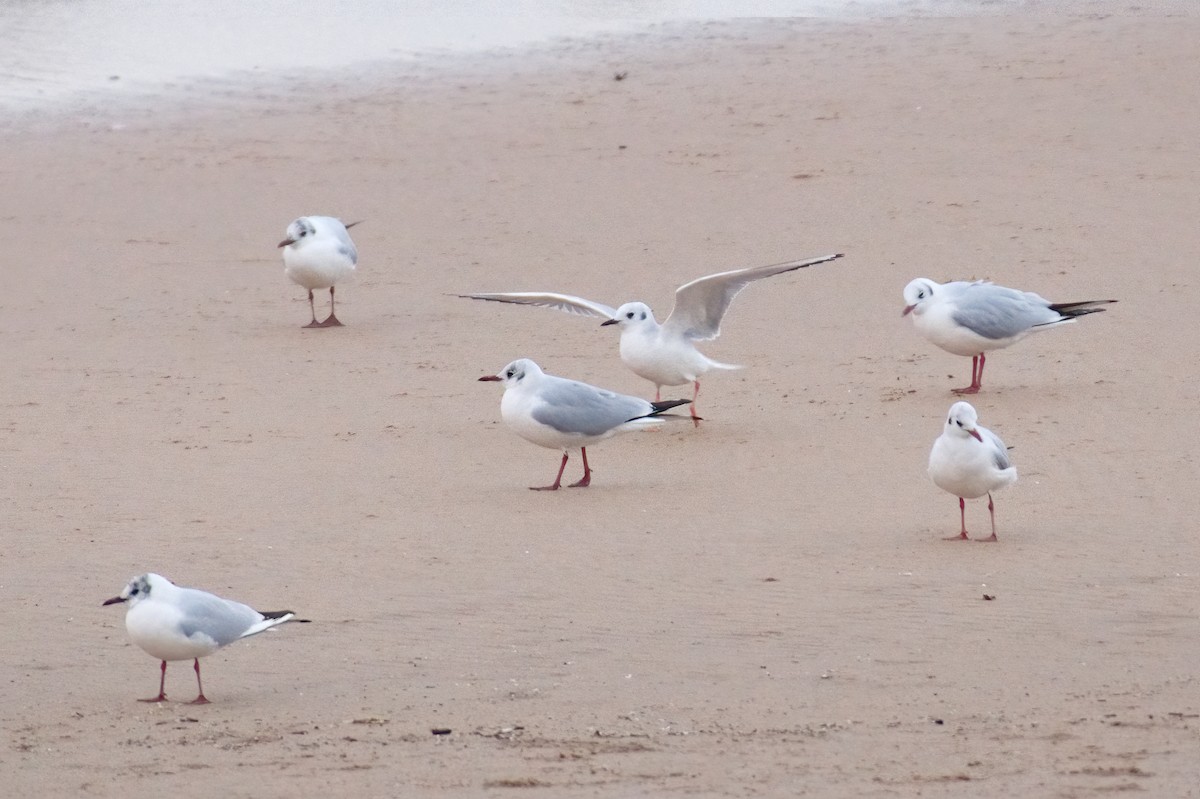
978, 437
286, 242
907, 309
490, 378
112, 601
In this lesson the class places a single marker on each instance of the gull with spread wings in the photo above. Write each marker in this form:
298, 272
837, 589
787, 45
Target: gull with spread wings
665, 354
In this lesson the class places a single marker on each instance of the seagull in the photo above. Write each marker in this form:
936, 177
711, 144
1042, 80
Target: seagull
969, 461
317, 253
666, 354
174, 623
557, 413
972, 318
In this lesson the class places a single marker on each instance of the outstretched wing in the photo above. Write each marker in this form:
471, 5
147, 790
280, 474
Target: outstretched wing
700, 305
577, 306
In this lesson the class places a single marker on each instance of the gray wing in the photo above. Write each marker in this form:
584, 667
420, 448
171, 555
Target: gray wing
345, 243
220, 619
700, 305
544, 299
999, 451
997, 312
573, 407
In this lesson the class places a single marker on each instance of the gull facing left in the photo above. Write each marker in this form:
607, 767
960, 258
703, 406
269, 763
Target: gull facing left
558, 413
666, 354
318, 253
174, 623
972, 318
968, 460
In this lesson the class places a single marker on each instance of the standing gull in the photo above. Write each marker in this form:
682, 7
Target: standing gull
174, 623
972, 318
557, 413
317, 253
969, 461
666, 354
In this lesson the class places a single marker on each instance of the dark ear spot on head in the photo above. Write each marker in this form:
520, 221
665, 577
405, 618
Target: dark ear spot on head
643, 314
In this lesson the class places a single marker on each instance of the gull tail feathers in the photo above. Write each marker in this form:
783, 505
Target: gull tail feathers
273, 618
1070, 311
659, 412
1074, 309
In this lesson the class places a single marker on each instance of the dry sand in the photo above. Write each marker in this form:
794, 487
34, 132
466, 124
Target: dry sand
761, 607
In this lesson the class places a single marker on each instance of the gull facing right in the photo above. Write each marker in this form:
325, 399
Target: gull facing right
174, 623
558, 413
665, 354
969, 460
972, 318
318, 253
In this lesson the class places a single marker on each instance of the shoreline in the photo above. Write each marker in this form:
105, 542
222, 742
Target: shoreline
381, 36
196, 94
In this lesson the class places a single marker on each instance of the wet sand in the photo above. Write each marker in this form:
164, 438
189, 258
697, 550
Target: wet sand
759, 607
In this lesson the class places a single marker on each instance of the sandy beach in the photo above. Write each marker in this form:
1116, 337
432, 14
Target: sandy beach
763, 606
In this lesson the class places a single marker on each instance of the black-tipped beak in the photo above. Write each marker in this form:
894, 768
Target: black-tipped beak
609, 322
286, 242
490, 379
112, 601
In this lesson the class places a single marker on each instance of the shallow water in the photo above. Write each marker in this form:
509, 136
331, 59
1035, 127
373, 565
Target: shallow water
56, 51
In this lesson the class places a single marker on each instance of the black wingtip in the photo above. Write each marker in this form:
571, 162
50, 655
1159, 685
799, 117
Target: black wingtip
279, 614
1079, 308
1075, 312
667, 405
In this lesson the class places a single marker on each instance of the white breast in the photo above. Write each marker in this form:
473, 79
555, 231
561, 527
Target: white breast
660, 358
317, 264
154, 626
966, 468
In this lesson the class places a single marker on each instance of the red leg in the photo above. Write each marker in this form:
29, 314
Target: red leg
976, 376
313, 310
658, 393
331, 320
992, 513
695, 396
199, 700
162, 683
962, 510
586, 480
557, 480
